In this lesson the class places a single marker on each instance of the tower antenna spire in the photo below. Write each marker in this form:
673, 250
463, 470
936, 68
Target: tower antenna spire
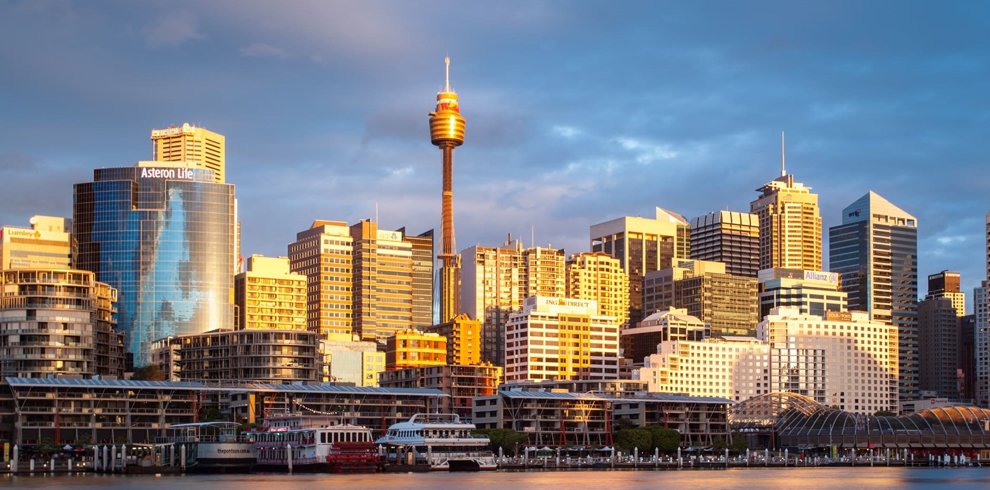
446, 62
783, 160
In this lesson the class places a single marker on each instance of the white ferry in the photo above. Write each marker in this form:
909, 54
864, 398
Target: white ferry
212, 447
313, 443
441, 441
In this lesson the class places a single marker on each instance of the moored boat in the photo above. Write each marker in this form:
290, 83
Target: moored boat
306, 443
440, 441
212, 447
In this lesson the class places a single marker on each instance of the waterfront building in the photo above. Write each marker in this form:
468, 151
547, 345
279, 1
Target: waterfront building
412, 348
858, 357
162, 234
263, 356
131, 412
875, 250
346, 360
641, 341
57, 322
946, 284
727, 302
790, 223
461, 383
599, 277
730, 237
361, 279
811, 292
559, 419
728, 367
47, 244
197, 146
269, 297
463, 339
643, 245
559, 338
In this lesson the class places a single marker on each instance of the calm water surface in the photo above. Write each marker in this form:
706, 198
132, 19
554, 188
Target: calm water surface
748, 478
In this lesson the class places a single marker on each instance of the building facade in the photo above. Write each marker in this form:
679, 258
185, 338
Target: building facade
47, 244
560, 339
641, 341
264, 356
194, 145
349, 361
163, 235
811, 292
939, 338
790, 225
599, 277
643, 245
57, 322
946, 284
875, 250
269, 297
463, 339
462, 383
412, 348
727, 302
730, 237
324, 254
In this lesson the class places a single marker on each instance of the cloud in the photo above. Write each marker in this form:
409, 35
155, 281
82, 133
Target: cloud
262, 50
172, 29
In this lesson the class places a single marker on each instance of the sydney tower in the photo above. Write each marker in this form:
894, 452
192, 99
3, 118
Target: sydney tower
447, 132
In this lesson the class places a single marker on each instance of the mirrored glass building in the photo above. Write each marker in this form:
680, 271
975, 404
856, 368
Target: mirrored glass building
163, 234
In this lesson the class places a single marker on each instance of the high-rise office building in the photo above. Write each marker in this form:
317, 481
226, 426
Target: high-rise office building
422, 264
729, 237
981, 330
46, 244
269, 297
496, 280
875, 250
198, 147
598, 276
163, 234
643, 245
811, 292
641, 341
361, 279
560, 339
447, 132
967, 357
412, 348
324, 254
727, 302
463, 336
938, 339
946, 284
790, 223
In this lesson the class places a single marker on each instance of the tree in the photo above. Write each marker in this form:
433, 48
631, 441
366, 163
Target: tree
148, 373
637, 437
507, 439
718, 444
664, 439
738, 444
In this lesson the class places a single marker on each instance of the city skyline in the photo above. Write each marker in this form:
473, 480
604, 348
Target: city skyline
578, 115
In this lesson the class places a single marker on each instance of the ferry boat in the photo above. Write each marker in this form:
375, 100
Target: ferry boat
440, 441
312, 443
212, 447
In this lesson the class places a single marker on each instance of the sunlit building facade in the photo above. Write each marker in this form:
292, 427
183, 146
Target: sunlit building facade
194, 145
790, 225
463, 336
269, 297
350, 361
164, 235
46, 244
560, 339
598, 276
412, 348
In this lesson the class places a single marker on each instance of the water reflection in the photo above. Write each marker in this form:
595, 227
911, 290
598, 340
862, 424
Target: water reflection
748, 478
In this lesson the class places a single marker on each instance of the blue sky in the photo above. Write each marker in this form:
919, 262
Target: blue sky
577, 112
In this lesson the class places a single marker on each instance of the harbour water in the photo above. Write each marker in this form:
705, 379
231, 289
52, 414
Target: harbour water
736, 478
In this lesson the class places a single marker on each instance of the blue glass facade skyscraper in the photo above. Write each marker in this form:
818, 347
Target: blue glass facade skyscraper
163, 234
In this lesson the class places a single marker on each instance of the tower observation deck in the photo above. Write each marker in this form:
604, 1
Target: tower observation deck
447, 132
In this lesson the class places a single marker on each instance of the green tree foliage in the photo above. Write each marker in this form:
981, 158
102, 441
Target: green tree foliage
148, 373
637, 437
738, 444
667, 440
507, 439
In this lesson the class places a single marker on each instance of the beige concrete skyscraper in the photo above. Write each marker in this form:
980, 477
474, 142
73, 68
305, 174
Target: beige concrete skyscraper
187, 143
323, 253
790, 223
598, 276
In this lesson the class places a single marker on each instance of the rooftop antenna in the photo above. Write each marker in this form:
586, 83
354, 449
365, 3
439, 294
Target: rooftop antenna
783, 161
446, 85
